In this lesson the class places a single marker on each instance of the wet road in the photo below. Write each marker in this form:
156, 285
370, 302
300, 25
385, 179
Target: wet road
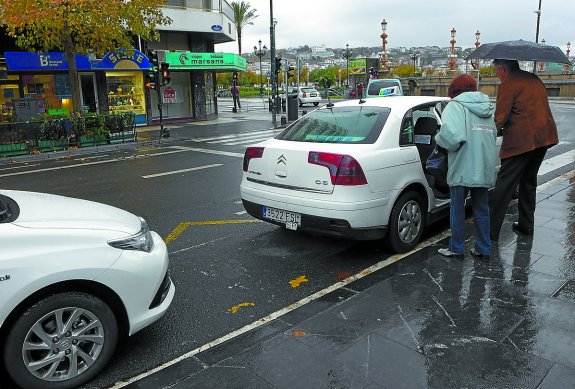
227, 274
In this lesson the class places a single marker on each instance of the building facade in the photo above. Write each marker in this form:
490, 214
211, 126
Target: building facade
116, 82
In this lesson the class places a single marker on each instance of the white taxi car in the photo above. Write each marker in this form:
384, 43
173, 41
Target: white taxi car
75, 275
354, 169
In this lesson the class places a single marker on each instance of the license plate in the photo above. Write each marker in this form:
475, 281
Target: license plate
291, 219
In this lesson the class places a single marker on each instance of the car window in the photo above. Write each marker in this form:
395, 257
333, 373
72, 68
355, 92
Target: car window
406, 130
9, 209
308, 90
358, 124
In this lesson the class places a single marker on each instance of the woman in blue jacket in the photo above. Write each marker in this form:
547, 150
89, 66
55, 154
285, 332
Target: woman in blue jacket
469, 134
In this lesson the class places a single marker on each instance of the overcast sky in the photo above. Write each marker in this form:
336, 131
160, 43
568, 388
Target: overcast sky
334, 23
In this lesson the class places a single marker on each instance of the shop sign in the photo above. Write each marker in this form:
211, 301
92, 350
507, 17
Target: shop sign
217, 27
169, 95
205, 61
357, 66
17, 60
124, 60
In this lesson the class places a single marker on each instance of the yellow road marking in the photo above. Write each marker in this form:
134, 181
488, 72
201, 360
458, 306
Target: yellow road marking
298, 281
237, 307
182, 226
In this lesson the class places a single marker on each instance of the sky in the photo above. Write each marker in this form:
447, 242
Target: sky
411, 23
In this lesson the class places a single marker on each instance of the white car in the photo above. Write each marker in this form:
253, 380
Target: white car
75, 276
354, 169
307, 95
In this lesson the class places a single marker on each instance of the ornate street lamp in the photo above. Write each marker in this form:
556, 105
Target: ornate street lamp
260, 52
347, 53
477, 44
452, 41
384, 40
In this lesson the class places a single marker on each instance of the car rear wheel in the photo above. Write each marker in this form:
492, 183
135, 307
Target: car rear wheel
62, 341
406, 223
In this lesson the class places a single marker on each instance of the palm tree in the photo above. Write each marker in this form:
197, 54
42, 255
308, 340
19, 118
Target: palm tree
243, 16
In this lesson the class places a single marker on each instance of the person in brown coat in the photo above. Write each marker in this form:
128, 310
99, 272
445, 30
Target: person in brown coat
523, 116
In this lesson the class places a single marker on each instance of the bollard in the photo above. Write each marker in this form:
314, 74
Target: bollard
304, 112
283, 120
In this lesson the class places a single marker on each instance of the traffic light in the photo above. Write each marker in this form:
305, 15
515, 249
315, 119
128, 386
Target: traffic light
151, 80
289, 69
278, 64
153, 57
165, 71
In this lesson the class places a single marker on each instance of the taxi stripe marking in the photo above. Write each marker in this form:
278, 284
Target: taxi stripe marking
182, 226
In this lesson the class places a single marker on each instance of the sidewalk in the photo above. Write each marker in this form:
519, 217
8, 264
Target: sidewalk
424, 321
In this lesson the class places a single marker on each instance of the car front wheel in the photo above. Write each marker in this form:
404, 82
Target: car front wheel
406, 223
62, 341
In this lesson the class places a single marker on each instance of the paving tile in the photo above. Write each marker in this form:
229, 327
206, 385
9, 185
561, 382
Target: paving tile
286, 363
317, 306
168, 376
238, 344
546, 341
385, 362
475, 362
558, 377
224, 377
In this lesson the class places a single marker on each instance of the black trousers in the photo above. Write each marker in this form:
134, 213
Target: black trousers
518, 170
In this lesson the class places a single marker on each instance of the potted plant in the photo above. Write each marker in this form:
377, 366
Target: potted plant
13, 140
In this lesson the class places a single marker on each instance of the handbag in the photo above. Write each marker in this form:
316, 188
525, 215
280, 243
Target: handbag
436, 165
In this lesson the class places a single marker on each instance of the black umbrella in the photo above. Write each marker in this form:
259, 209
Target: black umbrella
520, 50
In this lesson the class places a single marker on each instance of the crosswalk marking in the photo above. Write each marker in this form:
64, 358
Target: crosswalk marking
244, 138
556, 162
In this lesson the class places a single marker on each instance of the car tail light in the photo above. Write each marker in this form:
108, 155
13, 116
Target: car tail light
343, 169
252, 152
304, 94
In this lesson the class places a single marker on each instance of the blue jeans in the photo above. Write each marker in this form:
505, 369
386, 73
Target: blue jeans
480, 207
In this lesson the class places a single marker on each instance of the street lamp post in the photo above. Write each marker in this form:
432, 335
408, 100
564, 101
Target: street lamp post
414, 55
384, 41
477, 44
452, 41
260, 53
567, 67
347, 55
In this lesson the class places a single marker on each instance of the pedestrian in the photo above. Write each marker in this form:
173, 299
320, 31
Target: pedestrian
523, 116
468, 133
236, 95
360, 90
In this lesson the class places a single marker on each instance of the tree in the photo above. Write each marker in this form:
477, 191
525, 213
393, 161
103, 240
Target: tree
80, 27
243, 16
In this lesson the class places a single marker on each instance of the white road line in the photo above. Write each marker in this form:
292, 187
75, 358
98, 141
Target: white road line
19, 167
85, 164
247, 141
556, 162
315, 296
243, 138
208, 151
238, 202
241, 213
232, 135
182, 171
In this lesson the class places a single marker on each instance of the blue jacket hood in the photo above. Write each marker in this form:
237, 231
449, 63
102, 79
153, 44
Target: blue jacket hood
478, 103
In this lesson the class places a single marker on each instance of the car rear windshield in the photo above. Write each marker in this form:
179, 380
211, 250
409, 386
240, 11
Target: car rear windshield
374, 87
308, 90
357, 124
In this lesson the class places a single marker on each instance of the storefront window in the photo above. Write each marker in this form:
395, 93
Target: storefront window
176, 98
8, 92
52, 91
125, 92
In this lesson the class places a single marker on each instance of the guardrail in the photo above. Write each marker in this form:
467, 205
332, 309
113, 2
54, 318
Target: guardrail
39, 136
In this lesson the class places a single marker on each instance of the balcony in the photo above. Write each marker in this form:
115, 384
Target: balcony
213, 18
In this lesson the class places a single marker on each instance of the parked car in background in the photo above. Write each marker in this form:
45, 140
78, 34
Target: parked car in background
75, 276
353, 169
384, 87
306, 95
